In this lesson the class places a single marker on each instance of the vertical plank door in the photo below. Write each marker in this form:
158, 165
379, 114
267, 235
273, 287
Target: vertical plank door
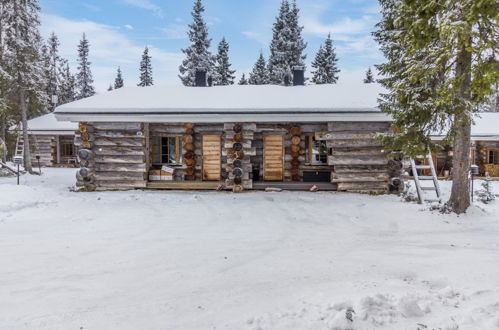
212, 157
273, 158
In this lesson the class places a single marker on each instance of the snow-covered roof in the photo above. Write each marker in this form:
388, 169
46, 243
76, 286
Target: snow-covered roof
484, 128
49, 125
229, 103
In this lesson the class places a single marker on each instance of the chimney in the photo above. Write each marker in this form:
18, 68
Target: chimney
298, 75
200, 80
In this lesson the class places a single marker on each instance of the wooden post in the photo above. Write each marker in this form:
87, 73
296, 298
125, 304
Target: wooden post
58, 149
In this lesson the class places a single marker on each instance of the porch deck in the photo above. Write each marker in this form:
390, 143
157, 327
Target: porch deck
260, 185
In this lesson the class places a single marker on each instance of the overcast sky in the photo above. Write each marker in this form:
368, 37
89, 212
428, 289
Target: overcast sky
118, 31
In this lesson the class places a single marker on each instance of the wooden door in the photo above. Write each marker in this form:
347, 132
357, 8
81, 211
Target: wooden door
273, 158
212, 157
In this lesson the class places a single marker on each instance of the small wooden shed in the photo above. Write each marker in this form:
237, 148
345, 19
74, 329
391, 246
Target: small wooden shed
235, 137
484, 150
51, 140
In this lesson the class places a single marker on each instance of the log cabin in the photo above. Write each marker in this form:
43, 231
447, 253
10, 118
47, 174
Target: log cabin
232, 137
484, 150
51, 140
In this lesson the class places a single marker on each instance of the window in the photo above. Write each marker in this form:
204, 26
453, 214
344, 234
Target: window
317, 151
166, 150
67, 150
493, 157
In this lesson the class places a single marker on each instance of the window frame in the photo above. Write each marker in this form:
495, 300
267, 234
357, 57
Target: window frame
309, 144
63, 148
157, 150
494, 152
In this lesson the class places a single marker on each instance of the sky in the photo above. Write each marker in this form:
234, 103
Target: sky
118, 31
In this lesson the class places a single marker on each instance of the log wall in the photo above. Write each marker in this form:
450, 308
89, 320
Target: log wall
45, 147
121, 153
118, 159
360, 163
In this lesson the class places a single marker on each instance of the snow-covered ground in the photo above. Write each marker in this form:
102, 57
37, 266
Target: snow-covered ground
192, 260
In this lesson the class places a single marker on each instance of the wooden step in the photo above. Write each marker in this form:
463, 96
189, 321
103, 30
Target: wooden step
425, 177
423, 167
428, 188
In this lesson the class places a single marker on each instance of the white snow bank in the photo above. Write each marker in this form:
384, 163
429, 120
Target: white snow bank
49, 123
190, 260
340, 97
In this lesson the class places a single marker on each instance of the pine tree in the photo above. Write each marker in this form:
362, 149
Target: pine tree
224, 75
326, 64
68, 84
110, 88
287, 45
369, 79
440, 68
243, 80
22, 61
118, 82
198, 56
259, 75
146, 70
84, 80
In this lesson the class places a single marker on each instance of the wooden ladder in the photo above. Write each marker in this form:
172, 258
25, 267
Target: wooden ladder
418, 178
19, 145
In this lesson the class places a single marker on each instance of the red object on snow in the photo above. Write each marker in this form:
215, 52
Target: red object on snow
220, 187
314, 188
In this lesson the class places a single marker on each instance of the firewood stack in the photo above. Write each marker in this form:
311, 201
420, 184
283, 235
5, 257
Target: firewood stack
85, 175
189, 154
296, 152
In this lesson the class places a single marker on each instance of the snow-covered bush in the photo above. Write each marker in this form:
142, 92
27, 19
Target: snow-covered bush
485, 194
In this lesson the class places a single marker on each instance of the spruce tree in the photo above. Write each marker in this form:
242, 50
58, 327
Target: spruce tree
326, 64
54, 60
224, 75
369, 79
68, 84
22, 61
441, 67
259, 75
278, 61
296, 43
146, 70
84, 80
197, 55
118, 82
287, 45
110, 88
243, 80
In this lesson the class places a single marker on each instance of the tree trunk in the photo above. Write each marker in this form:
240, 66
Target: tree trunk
3, 138
24, 117
460, 196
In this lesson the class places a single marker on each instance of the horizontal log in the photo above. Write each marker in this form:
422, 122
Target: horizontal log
363, 186
117, 176
119, 134
117, 126
119, 142
350, 135
353, 143
359, 126
120, 159
105, 167
360, 177
359, 151
358, 160
116, 151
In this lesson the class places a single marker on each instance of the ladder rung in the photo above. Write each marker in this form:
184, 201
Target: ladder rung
423, 167
428, 188
425, 177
